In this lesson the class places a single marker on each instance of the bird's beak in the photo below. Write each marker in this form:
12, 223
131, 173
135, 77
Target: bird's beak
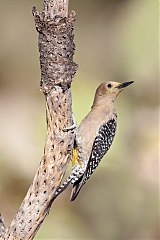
125, 84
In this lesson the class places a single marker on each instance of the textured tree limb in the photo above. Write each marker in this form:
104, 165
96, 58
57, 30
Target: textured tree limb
56, 49
2, 227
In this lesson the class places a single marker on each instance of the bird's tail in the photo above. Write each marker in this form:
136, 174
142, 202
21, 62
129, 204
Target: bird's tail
76, 188
74, 178
61, 188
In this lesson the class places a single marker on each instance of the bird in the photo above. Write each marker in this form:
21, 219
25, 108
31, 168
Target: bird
94, 136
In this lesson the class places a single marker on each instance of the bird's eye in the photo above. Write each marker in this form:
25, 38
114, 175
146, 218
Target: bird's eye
109, 85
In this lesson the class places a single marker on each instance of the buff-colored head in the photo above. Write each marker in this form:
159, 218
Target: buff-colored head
108, 91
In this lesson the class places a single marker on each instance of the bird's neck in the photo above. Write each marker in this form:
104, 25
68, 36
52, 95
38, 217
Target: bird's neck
104, 106
100, 100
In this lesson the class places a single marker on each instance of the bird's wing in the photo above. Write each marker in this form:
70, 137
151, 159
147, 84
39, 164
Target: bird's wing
101, 145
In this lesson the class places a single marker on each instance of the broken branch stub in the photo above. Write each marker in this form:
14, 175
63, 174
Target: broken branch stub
56, 49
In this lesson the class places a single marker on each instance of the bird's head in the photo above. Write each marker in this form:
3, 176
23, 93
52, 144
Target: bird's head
108, 91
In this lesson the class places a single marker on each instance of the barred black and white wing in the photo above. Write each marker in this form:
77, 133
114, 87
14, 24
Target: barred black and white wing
101, 145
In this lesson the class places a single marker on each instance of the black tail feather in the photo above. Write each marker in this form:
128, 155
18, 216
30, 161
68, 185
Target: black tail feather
76, 188
61, 188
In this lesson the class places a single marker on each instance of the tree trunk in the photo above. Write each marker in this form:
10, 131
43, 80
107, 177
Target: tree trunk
56, 49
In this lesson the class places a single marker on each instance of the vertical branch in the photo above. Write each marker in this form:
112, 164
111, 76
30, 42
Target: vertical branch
56, 8
56, 49
2, 227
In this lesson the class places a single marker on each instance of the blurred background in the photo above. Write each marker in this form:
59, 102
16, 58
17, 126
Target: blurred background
115, 40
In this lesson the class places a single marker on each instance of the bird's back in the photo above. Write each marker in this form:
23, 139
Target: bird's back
89, 129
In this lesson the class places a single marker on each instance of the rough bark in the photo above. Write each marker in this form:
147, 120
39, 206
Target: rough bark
2, 227
56, 49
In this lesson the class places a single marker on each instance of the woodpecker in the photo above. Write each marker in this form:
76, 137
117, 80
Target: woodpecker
94, 136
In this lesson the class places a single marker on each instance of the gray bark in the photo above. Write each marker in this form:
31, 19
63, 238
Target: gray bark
56, 49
